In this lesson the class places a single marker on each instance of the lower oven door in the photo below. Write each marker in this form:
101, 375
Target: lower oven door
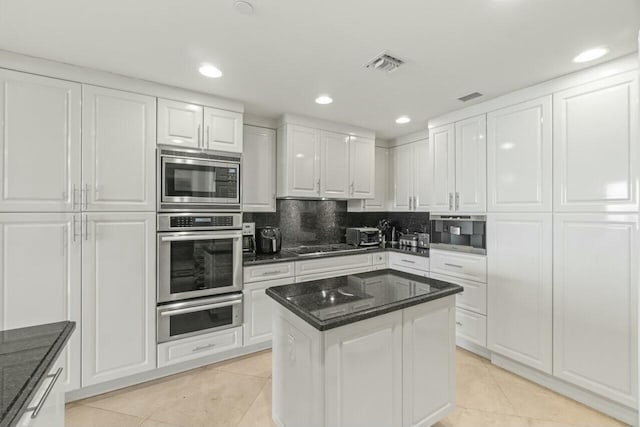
200, 316
199, 264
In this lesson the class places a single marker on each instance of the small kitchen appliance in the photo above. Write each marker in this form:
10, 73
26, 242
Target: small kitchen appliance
363, 236
249, 237
268, 240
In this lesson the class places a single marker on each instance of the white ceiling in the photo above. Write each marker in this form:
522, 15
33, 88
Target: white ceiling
289, 51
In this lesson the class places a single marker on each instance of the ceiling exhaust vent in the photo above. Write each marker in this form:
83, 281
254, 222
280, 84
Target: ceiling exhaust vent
385, 62
470, 96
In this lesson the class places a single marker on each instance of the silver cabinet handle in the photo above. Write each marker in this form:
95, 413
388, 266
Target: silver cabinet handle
203, 347
408, 260
450, 201
458, 323
318, 183
74, 197
86, 228
351, 186
199, 137
453, 265
457, 200
73, 225
86, 196
199, 308
198, 237
36, 409
207, 141
270, 273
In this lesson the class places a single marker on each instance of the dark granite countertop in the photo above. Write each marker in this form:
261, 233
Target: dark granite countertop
285, 255
26, 357
330, 303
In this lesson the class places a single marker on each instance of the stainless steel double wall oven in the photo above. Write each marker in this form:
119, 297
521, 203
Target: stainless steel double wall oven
199, 243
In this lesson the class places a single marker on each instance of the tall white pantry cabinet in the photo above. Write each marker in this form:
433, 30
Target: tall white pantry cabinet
563, 248
77, 220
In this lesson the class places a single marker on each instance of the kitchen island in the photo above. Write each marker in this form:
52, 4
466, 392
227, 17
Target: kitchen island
371, 349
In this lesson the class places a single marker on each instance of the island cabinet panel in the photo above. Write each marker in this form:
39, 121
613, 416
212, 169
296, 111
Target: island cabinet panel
364, 373
428, 352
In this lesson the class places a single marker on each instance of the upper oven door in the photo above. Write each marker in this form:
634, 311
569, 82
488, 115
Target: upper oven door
196, 264
192, 181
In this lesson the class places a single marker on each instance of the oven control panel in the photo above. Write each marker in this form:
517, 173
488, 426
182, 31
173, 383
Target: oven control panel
219, 221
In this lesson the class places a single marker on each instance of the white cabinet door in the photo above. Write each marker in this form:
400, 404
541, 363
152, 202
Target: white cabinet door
422, 176
595, 294
596, 146
519, 161
379, 202
258, 310
334, 163
118, 296
302, 162
378, 382
428, 353
520, 296
40, 277
179, 124
362, 165
442, 161
39, 143
471, 165
403, 163
259, 170
118, 150
223, 130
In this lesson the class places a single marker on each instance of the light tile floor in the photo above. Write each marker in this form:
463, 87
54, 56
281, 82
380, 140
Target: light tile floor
238, 393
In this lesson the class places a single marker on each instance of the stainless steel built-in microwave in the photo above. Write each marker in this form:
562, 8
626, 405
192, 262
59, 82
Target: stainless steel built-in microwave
194, 180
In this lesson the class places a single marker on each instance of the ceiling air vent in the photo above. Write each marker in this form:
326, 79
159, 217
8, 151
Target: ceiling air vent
384, 62
470, 96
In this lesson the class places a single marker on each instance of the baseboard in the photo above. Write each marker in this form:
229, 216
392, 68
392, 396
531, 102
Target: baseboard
473, 347
599, 403
155, 374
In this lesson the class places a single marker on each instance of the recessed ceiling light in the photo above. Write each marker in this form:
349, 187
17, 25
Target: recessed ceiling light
324, 100
591, 54
209, 70
403, 120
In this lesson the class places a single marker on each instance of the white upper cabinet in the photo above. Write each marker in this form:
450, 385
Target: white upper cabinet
317, 163
519, 157
379, 202
118, 296
520, 296
179, 123
298, 162
362, 166
259, 170
595, 301
222, 130
334, 182
40, 277
471, 165
443, 164
118, 150
403, 163
422, 178
193, 126
596, 146
39, 143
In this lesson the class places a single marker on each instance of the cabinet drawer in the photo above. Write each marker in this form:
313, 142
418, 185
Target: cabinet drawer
379, 259
258, 310
471, 326
323, 265
185, 349
257, 273
474, 297
328, 274
463, 266
408, 261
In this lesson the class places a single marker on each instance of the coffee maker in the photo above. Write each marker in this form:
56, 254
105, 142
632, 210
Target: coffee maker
248, 237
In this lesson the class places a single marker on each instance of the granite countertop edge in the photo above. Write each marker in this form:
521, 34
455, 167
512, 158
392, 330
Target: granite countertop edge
286, 256
33, 383
324, 325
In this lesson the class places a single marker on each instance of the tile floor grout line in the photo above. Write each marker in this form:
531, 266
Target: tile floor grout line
252, 402
112, 411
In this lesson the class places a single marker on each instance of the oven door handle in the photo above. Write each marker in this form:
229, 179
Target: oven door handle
199, 237
198, 308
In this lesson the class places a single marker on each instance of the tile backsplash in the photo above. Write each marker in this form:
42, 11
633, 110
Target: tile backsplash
320, 222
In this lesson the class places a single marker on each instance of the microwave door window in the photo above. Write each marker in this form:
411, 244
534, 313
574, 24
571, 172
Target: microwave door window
190, 181
200, 265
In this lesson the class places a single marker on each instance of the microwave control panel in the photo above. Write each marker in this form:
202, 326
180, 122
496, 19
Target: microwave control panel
217, 221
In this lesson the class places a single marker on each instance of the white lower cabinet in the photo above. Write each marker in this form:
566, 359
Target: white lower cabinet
52, 403
380, 260
409, 263
520, 288
40, 277
332, 264
458, 264
118, 296
428, 365
185, 349
472, 327
595, 276
258, 310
